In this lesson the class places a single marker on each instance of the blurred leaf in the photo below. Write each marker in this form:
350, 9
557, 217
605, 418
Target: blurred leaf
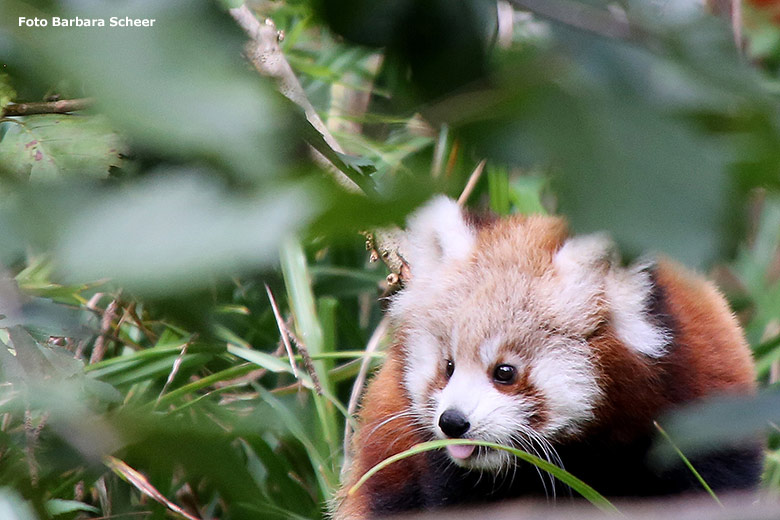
181, 86
525, 192
340, 281
12, 507
440, 45
498, 189
7, 92
609, 121
39, 362
719, 422
52, 146
172, 233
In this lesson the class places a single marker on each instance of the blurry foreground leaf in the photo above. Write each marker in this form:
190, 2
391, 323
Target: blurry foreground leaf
179, 232
12, 507
55, 146
725, 421
180, 86
58, 506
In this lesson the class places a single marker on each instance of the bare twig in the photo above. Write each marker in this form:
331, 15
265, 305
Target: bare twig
131, 311
50, 107
32, 434
267, 57
472, 183
730, 10
99, 350
174, 370
283, 330
308, 363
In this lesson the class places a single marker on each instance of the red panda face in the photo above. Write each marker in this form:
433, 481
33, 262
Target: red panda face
495, 325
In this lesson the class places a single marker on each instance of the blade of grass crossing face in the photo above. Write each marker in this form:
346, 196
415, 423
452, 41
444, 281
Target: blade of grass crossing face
687, 463
307, 325
587, 492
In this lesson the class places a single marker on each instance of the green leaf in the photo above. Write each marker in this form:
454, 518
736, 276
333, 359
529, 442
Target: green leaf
58, 506
177, 232
53, 146
719, 421
355, 168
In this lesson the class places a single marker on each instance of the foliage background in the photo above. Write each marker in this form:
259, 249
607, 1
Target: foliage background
137, 237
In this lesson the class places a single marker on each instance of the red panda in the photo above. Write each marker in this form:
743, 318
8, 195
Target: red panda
513, 332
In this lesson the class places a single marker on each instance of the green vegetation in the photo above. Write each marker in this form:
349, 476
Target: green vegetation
144, 233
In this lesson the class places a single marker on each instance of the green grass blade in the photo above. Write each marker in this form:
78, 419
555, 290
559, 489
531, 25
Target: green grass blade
301, 301
204, 382
498, 189
275, 364
687, 463
587, 492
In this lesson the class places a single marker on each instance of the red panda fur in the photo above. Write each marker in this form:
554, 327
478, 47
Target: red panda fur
703, 354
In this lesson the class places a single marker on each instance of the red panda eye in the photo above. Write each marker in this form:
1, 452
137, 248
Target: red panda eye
504, 374
449, 368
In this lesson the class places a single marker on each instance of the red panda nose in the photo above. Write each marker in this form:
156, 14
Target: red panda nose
453, 423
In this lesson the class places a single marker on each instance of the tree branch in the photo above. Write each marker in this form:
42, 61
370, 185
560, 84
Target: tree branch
62, 106
267, 57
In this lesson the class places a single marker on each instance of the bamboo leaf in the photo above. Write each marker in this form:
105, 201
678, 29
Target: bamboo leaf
587, 492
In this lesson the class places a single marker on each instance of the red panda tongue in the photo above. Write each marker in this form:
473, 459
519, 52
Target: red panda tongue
460, 451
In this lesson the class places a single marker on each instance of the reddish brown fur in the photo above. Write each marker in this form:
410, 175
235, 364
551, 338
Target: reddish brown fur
708, 356
376, 441
540, 236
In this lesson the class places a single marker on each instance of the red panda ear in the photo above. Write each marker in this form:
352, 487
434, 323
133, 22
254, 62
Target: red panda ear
629, 292
588, 267
586, 256
437, 235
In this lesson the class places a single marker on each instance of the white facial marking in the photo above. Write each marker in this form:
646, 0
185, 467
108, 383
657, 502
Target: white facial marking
566, 378
423, 356
488, 352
